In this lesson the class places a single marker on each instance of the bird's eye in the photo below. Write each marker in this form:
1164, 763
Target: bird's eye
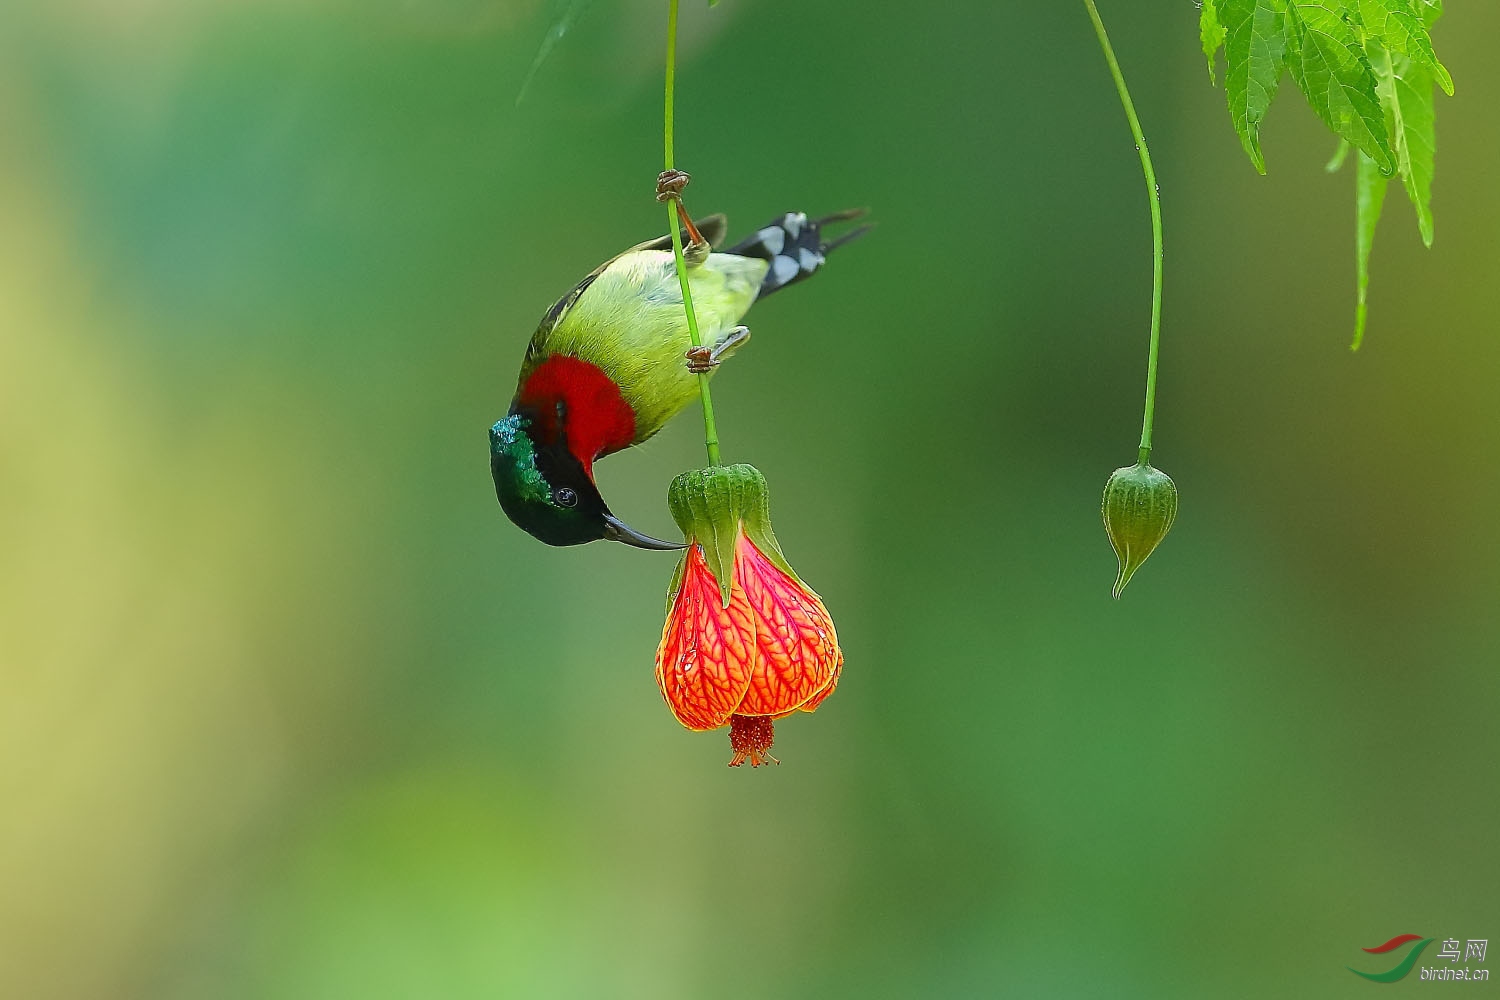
566, 497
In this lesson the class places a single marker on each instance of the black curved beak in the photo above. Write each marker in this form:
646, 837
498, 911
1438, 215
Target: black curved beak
617, 530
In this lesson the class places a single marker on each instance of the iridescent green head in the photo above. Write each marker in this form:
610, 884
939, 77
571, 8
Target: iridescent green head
546, 491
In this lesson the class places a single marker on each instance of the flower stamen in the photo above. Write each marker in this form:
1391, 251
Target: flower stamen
750, 737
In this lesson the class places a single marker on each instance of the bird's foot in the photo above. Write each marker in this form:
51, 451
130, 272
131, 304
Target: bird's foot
702, 360
669, 187
669, 184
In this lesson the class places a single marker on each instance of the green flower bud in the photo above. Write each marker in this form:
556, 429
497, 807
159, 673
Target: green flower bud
713, 506
1139, 507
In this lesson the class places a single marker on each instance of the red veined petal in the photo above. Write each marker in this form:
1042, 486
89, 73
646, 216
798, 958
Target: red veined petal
796, 647
811, 705
704, 662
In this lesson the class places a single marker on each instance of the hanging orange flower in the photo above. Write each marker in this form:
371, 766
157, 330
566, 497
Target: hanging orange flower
746, 642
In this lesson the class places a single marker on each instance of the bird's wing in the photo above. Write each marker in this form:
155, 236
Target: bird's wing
713, 228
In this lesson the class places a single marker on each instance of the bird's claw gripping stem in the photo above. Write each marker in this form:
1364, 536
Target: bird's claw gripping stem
702, 360
669, 186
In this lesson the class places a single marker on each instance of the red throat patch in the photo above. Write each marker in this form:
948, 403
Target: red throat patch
596, 418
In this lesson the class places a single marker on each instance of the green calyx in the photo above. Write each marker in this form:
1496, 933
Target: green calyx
1140, 504
712, 506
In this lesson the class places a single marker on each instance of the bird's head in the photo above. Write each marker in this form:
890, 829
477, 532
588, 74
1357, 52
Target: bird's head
547, 492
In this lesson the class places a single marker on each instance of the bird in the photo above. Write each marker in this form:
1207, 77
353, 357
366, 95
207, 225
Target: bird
612, 361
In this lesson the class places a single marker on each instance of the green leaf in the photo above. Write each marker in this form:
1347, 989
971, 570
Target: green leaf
1336, 162
1367, 67
1398, 26
1369, 196
1419, 137
1256, 35
1329, 64
1405, 82
1405, 88
1211, 33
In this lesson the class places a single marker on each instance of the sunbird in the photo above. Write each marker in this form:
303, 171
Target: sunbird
612, 362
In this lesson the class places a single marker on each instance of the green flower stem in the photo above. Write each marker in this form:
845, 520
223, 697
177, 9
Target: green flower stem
1155, 195
710, 430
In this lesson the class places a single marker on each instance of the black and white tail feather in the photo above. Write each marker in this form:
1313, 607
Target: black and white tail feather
794, 247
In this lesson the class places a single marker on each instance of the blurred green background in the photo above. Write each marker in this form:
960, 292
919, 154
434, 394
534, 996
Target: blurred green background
289, 709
